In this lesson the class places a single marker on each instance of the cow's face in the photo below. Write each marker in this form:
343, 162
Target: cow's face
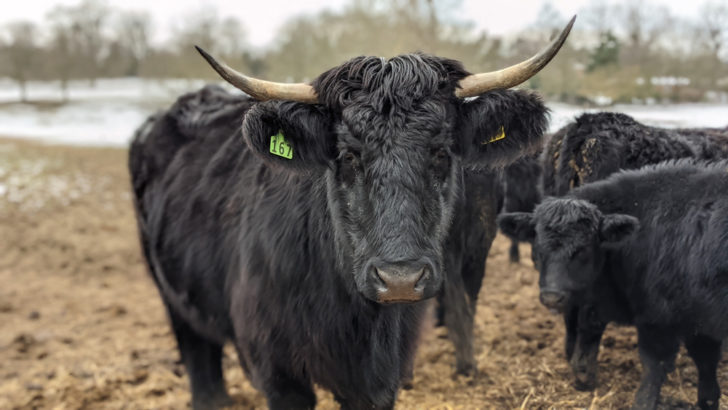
388, 140
568, 238
391, 140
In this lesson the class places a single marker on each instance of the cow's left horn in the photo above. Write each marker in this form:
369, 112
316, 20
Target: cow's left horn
261, 89
476, 84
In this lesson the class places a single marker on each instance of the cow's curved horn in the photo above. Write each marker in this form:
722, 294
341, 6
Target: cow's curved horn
476, 84
261, 89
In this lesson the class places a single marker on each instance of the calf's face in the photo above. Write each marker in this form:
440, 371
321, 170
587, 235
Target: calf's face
568, 238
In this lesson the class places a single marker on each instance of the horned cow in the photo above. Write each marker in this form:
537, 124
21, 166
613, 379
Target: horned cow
310, 236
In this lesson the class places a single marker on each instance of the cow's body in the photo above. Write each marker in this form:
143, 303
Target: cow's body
304, 262
647, 247
590, 149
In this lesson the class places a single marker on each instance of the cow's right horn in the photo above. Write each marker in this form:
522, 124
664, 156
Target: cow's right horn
261, 89
476, 84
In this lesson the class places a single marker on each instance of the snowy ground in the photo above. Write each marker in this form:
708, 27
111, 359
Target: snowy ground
108, 113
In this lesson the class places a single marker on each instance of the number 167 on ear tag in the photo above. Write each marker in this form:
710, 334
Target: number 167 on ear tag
279, 146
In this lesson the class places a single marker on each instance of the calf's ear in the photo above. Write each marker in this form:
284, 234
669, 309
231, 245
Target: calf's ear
290, 135
615, 228
518, 225
500, 126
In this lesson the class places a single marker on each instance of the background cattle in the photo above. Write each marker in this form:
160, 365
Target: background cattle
521, 190
647, 247
309, 236
590, 149
596, 145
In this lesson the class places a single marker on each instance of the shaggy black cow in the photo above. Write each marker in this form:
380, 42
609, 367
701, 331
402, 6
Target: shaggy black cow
597, 145
308, 236
590, 149
521, 191
647, 247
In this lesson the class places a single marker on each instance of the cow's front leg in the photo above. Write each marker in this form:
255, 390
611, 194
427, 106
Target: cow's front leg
269, 374
459, 322
705, 352
284, 392
571, 321
583, 361
657, 348
353, 405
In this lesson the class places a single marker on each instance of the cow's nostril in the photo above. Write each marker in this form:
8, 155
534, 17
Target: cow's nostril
399, 278
401, 284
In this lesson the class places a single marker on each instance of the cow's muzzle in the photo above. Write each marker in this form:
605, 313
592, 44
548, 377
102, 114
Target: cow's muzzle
553, 299
401, 282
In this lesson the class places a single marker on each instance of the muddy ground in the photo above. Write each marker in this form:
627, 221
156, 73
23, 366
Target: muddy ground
82, 326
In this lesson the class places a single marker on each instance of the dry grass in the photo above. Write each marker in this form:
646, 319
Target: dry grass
82, 326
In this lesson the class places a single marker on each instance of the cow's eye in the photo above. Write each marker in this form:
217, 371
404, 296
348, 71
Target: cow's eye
440, 154
440, 163
349, 167
349, 158
581, 255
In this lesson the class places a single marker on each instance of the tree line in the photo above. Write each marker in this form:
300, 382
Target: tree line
635, 50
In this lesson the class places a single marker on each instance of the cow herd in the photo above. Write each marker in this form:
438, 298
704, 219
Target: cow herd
308, 224
630, 231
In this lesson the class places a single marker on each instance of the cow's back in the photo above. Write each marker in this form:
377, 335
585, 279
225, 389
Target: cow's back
597, 145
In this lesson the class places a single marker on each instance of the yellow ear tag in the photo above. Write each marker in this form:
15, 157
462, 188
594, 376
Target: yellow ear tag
279, 146
499, 136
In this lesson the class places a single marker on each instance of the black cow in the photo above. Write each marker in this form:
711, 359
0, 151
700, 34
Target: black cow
590, 149
521, 191
596, 145
310, 236
647, 247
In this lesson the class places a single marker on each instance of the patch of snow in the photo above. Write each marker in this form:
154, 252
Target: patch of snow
109, 113
667, 116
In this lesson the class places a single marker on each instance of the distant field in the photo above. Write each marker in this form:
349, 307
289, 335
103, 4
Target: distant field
108, 113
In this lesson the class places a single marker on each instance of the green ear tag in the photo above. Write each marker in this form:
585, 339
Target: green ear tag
499, 136
279, 146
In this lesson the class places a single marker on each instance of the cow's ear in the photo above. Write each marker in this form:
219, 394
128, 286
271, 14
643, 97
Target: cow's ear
290, 135
616, 228
500, 126
518, 225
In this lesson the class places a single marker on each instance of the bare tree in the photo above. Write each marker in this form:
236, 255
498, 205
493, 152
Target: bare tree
133, 30
87, 22
643, 23
599, 16
21, 53
63, 49
231, 38
549, 19
713, 26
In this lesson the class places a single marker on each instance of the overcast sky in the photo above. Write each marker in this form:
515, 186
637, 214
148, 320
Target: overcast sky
262, 18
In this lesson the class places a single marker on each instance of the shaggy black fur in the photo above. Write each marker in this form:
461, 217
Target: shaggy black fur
597, 145
278, 255
645, 247
590, 149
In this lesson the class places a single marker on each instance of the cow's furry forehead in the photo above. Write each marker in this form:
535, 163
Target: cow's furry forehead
559, 219
399, 81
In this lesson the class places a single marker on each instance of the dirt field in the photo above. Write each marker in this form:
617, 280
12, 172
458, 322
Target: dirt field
82, 326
